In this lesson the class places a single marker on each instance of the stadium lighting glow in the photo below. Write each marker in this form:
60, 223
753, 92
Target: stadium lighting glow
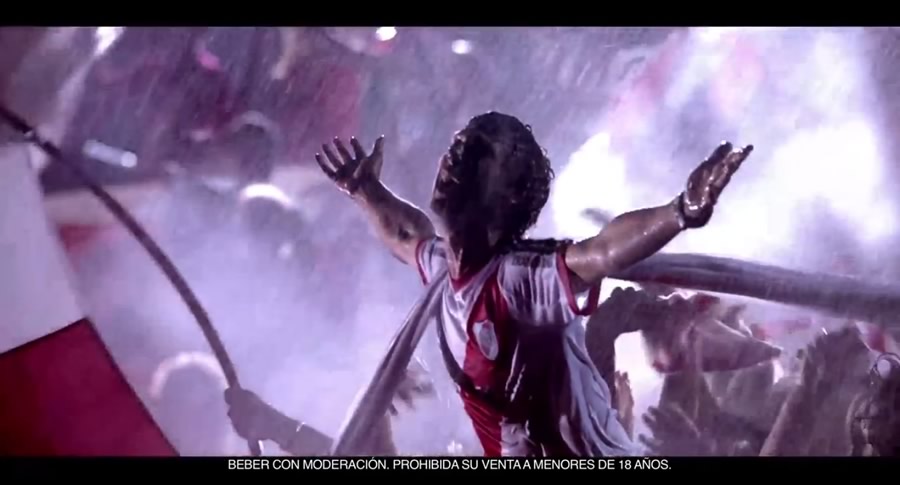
461, 47
386, 33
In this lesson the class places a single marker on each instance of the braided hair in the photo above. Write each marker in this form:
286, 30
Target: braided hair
516, 199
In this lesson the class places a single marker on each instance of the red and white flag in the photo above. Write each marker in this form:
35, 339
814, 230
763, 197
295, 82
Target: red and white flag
61, 392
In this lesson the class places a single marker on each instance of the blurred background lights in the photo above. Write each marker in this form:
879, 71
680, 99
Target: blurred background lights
461, 47
386, 33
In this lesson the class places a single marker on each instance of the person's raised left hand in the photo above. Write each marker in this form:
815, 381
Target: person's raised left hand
706, 183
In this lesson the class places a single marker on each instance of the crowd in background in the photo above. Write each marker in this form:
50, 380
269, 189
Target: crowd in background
836, 395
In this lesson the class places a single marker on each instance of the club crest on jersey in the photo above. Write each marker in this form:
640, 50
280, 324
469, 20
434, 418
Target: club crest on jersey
486, 338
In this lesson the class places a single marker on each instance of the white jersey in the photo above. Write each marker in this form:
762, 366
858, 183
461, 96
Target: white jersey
507, 327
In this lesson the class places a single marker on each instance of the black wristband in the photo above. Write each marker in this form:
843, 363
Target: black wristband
678, 204
687, 221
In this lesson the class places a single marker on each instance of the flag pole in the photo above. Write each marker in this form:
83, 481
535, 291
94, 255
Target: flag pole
148, 243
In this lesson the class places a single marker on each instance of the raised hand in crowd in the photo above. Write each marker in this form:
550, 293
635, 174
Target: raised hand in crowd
674, 433
625, 402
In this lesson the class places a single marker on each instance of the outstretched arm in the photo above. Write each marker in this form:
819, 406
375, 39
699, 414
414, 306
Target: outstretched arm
633, 236
399, 224
627, 239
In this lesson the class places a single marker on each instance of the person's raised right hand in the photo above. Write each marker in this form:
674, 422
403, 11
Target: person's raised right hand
349, 171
